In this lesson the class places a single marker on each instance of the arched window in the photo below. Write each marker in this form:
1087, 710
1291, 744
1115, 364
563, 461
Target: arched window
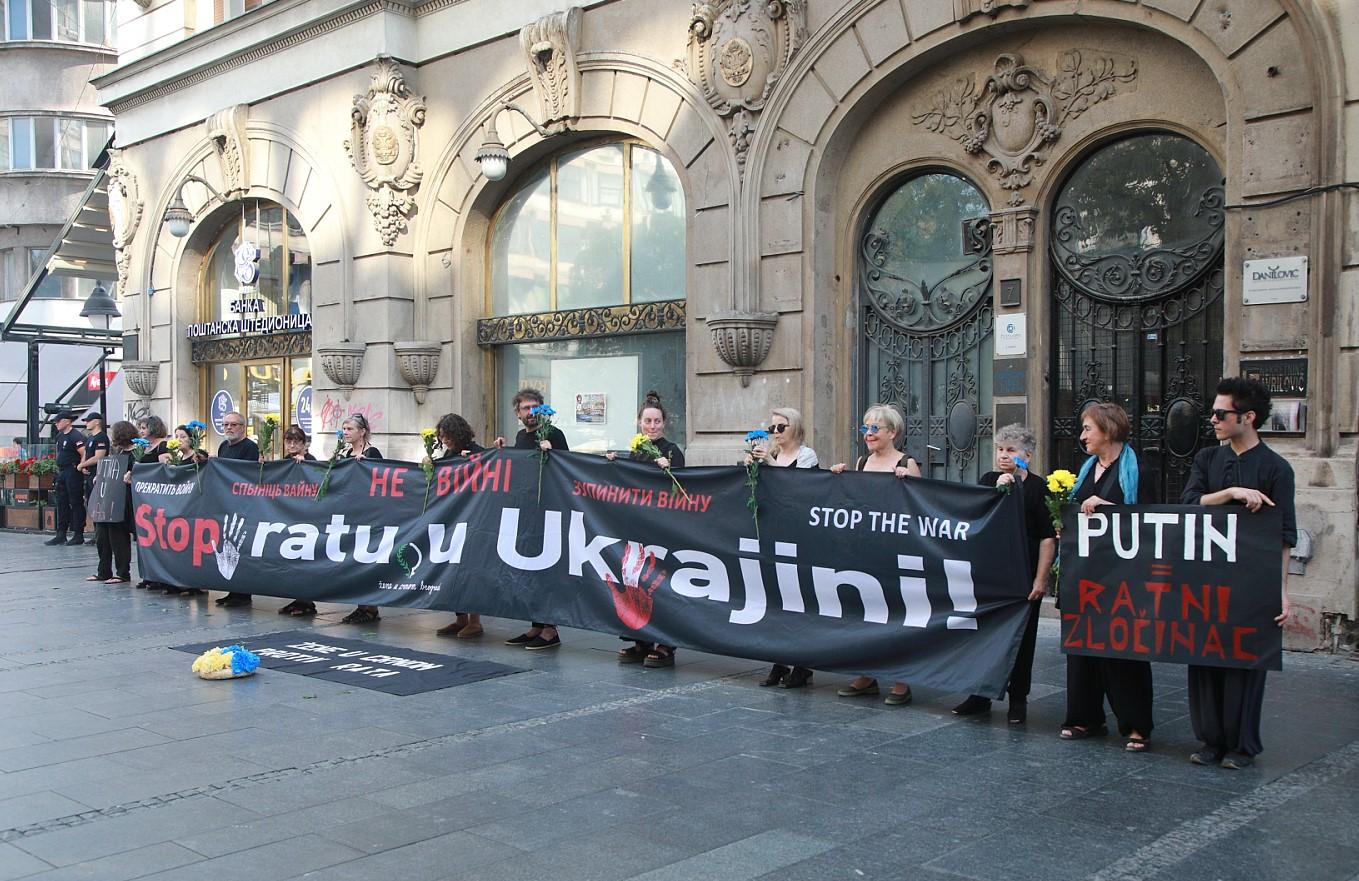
587, 292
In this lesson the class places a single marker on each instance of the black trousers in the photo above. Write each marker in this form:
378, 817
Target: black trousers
114, 542
1127, 685
1225, 707
70, 492
1021, 677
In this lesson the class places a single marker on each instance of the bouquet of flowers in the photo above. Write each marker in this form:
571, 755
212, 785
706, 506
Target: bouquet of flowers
140, 447
543, 415
757, 438
232, 662
641, 444
196, 431
339, 448
430, 439
1061, 487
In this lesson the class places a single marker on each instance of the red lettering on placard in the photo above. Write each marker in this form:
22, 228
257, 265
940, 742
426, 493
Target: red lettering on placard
1239, 652
1089, 596
1212, 643
1122, 599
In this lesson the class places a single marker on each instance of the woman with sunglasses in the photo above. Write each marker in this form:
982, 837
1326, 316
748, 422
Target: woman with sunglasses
881, 427
358, 440
785, 450
1108, 477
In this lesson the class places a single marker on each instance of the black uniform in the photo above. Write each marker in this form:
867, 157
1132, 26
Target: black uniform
1225, 704
1089, 679
528, 440
70, 484
95, 443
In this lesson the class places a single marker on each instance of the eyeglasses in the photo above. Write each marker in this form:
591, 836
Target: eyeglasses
868, 429
1221, 415
778, 429
233, 424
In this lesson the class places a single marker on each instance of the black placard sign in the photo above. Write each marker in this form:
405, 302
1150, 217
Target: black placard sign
918, 580
1184, 584
108, 498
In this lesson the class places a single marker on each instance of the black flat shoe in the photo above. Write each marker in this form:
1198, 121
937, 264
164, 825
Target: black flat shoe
801, 677
537, 644
973, 706
521, 639
1019, 713
775, 677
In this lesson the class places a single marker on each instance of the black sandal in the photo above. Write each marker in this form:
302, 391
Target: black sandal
632, 655
303, 610
1076, 732
361, 616
775, 677
661, 656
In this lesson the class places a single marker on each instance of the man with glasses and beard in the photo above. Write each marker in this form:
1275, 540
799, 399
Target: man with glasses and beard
1224, 704
236, 446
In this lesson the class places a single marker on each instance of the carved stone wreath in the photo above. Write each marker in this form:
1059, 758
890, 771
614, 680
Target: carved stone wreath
738, 50
1019, 111
125, 213
382, 146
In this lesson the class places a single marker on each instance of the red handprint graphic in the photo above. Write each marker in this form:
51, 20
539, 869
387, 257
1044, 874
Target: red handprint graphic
633, 600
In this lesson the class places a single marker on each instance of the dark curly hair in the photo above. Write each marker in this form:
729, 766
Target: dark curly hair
454, 433
1248, 396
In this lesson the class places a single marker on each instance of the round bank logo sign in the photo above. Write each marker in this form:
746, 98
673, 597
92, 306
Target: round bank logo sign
304, 410
222, 404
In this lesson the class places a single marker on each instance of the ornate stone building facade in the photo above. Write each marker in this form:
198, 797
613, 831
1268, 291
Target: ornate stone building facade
983, 211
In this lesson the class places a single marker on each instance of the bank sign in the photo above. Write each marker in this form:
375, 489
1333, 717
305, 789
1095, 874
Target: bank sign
1274, 280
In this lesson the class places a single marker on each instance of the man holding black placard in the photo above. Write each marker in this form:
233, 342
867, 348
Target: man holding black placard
1225, 704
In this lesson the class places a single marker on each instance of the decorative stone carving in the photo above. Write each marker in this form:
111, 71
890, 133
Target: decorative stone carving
742, 339
737, 51
965, 9
125, 214
1012, 230
382, 146
550, 51
1019, 111
418, 361
141, 377
226, 130
342, 364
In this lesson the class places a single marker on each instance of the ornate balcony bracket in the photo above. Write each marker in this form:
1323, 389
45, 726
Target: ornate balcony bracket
342, 363
743, 339
141, 377
419, 362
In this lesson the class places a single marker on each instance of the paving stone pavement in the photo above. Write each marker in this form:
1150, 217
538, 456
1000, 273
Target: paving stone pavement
117, 763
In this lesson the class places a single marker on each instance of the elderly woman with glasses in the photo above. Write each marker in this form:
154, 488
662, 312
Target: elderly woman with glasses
881, 427
785, 449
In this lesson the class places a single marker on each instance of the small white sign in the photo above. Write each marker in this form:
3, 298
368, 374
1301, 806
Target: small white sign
1011, 338
1279, 280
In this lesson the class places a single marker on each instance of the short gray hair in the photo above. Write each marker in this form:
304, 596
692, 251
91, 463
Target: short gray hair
1018, 435
886, 416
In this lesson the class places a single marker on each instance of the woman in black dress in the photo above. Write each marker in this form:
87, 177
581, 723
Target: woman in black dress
1108, 477
114, 538
459, 441
295, 444
358, 445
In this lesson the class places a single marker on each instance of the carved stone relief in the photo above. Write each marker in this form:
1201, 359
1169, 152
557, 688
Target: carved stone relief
965, 9
382, 146
550, 51
1019, 111
226, 130
125, 214
738, 50
1012, 230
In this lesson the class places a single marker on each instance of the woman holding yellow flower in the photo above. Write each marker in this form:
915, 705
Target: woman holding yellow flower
1014, 450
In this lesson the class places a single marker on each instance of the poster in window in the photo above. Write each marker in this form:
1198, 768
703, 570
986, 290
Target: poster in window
591, 409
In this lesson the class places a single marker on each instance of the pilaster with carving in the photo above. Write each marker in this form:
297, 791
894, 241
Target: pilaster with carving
125, 214
385, 124
549, 46
1012, 121
1012, 230
226, 131
737, 51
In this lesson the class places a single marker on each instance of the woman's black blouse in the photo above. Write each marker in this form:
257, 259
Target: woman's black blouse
669, 450
1107, 487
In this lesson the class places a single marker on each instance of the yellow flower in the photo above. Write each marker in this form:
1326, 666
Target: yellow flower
271, 420
1061, 481
427, 432
211, 661
637, 441
172, 444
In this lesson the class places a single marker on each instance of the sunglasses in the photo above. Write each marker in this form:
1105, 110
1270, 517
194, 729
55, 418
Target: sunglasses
1221, 415
777, 429
869, 429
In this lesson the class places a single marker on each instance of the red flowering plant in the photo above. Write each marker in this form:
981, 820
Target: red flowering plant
43, 466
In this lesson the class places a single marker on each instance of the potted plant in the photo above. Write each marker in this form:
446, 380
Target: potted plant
9, 473
42, 472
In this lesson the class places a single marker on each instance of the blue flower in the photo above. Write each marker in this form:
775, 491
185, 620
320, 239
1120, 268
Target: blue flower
141, 442
196, 425
339, 434
758, 434
1021, 462
242, 660
543, 410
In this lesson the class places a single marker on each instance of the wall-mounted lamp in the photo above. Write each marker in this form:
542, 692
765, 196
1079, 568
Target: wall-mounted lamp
178, 217
659, 187
491, 156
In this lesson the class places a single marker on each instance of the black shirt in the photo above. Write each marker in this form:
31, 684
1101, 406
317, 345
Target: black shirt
96, 443
244, 450
528, 440
70, 448
1037, 522
1107, 487
669, 450
1259, 468
472, 447
369, 453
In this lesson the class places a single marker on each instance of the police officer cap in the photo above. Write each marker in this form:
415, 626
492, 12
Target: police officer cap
94, 415
65, 414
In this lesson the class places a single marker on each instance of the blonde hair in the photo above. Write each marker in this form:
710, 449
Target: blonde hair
794, 419
885, 416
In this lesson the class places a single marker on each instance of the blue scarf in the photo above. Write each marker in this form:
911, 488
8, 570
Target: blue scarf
1127, 473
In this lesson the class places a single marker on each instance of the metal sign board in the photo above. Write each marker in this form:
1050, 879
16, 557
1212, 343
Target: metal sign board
1275, 280
1010, 335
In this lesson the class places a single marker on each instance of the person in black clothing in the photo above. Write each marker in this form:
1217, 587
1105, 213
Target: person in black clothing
1108, 477
96, 448
152, 430
651, 423
241, 448
459, 441
70, 482
358, 437
1225, 704
295, 443
114, 539
1015, 444
539, 635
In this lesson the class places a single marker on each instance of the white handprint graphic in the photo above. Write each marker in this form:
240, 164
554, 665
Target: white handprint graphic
229, 554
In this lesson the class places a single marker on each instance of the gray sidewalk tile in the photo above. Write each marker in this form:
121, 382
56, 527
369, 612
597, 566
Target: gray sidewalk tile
14, 863
125, 866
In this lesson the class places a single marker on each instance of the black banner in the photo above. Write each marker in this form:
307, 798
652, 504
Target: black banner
1184, 584
857, 573
108, 498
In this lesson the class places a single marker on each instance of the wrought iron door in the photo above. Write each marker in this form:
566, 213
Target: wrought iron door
1137, 282
924, 279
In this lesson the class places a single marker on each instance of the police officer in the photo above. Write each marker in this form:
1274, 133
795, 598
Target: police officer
70, 483
96, 448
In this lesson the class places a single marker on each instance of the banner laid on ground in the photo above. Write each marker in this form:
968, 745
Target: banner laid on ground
1183, 584
915, 580
384, 668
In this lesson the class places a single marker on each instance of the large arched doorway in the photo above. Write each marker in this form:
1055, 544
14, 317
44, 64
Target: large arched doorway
924, 291
1137, 281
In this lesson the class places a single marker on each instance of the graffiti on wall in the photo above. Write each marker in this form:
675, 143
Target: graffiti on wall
333, 411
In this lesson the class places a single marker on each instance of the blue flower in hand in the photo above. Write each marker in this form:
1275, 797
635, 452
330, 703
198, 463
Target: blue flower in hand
758, 434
